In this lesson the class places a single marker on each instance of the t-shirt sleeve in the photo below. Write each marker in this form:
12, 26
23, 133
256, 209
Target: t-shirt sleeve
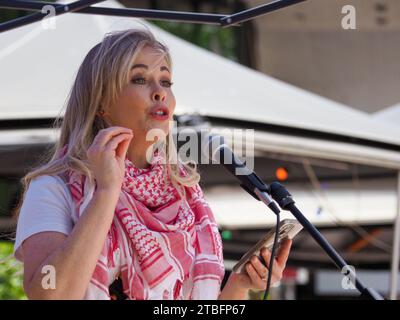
47, 207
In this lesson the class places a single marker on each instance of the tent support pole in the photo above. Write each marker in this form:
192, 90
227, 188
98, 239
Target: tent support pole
396, 247
223, 20
37, 16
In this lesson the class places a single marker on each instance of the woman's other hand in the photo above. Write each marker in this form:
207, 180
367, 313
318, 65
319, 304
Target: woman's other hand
257, 274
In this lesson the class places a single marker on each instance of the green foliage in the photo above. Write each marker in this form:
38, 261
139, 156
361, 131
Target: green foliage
11, 274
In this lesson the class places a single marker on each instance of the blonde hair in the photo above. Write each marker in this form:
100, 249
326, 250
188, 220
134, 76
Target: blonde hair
100, 79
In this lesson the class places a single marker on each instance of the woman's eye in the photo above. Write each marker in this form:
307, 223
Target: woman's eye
139, 80
165, 83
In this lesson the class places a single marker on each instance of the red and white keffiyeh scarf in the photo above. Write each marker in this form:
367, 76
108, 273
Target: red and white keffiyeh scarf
164, 247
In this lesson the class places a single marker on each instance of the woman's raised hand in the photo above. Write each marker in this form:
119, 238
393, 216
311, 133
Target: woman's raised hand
106, 156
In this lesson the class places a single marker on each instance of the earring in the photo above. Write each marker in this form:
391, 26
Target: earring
101, 113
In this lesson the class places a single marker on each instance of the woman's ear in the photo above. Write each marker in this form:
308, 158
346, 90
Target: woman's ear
103, 114
100, 122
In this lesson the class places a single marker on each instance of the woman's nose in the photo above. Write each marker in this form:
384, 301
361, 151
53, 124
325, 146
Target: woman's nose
158, 97
159, 94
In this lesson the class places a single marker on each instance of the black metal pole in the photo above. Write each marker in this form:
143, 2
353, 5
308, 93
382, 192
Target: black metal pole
205, 18
19, 22
257, 11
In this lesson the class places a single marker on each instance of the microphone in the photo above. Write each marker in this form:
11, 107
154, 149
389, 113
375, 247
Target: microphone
215, 148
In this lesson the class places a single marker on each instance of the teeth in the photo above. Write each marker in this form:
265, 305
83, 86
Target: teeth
160, 112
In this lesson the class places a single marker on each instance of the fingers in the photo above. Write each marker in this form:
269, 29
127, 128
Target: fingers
122, 148
266, 255
113, 144
255, 277
278, 266
258, 272
262, 270
283, 254
259, 267
104, 135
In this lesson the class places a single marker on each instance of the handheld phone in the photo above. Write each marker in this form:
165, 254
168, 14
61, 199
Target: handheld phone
288, 229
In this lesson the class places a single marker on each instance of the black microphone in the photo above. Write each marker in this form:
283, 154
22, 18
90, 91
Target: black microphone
215, 148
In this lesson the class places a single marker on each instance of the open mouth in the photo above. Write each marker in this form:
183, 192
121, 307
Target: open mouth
160, 112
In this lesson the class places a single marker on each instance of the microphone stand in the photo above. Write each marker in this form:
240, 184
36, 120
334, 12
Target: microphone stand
251, 183
286, 202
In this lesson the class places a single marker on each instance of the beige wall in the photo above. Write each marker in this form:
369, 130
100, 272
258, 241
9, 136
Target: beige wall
305, 45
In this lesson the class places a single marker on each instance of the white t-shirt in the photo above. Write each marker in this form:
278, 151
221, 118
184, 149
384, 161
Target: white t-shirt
47, 207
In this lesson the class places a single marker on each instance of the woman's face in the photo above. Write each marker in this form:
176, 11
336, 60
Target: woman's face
147, 101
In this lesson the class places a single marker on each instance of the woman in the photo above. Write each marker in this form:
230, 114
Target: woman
110, 205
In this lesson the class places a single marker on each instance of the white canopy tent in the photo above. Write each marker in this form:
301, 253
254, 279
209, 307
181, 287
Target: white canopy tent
38, 67
389, 114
